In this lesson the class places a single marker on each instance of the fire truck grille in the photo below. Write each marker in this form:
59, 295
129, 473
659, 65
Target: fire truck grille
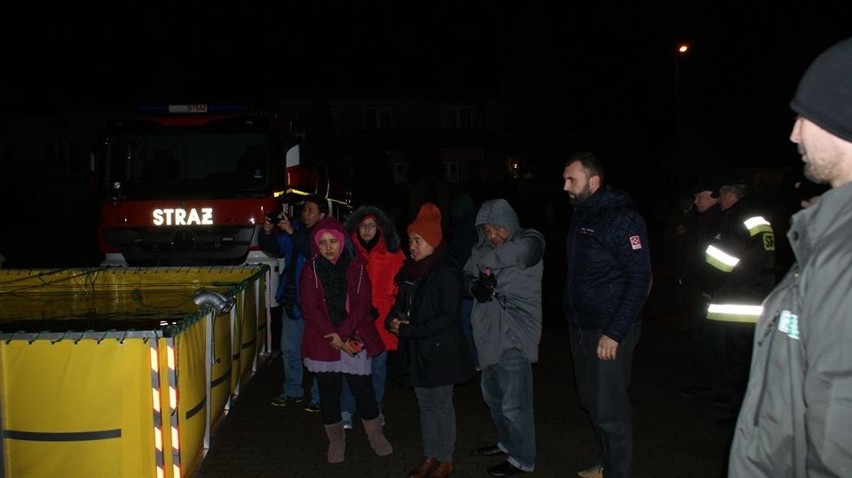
182, 246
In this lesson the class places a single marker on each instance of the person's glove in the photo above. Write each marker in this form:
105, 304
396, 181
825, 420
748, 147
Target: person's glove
483, 289
480, 291
487, 279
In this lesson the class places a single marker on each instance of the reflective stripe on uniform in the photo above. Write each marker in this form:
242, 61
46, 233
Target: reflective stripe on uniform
757, 225
720, 259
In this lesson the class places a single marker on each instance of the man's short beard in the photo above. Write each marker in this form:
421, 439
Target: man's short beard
819, 174
581, 196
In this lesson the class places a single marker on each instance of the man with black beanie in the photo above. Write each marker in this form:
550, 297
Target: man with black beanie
796, 416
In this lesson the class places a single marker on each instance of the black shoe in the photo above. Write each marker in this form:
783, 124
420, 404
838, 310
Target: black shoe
491, 450
284, 400
694, 391
504, 469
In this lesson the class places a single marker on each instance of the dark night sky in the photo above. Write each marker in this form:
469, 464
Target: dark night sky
577, 71
329, 44
605, 68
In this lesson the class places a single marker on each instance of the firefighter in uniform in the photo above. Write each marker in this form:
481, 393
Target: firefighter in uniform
741, 256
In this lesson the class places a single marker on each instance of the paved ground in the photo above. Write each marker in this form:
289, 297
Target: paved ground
675, 437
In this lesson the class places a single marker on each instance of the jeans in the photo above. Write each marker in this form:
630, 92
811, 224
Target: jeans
602, 393
507, 389
437, 421
291, 355
380, 376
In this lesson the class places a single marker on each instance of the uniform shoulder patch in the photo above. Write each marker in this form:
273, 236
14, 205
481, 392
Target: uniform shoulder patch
635, 242
769, 242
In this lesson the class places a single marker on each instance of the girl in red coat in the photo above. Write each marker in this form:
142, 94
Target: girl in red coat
376, 238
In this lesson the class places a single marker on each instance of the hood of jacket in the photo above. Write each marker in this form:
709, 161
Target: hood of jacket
497, 212
388, 231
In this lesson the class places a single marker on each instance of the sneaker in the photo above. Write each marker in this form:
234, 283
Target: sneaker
595, 471
312, 407
694, 391
490, 450
347, 420
284, 400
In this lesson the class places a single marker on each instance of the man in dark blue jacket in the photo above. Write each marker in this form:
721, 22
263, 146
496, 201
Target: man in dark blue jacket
607, 284
293, 243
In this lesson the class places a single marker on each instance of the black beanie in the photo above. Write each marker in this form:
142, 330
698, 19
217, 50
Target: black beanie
824, 95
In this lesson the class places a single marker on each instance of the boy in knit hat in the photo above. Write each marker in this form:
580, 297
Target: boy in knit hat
434, 355
795, 417
428, 224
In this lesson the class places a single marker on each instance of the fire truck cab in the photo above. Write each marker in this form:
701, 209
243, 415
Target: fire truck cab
188, 185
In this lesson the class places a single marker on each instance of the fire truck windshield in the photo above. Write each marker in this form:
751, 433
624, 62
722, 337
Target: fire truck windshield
184, 164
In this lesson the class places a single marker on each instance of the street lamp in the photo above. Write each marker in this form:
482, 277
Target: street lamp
682, 49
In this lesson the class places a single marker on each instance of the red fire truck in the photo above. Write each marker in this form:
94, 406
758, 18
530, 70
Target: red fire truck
185, 185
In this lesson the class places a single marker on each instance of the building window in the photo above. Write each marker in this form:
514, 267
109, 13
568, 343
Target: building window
400, 173
53, 152
64, 153
451, 171
514, 168
473, 168
78, 157
459, 117
375, 118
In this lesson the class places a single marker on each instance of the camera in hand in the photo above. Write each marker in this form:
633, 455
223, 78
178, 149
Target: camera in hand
272, 218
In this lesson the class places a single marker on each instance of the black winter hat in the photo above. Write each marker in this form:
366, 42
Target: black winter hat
709, 183
824, 95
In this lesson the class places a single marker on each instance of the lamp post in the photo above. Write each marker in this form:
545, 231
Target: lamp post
680, 51
678, 150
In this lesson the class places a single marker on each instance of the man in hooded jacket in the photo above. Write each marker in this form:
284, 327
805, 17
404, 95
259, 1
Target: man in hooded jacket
504, 274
